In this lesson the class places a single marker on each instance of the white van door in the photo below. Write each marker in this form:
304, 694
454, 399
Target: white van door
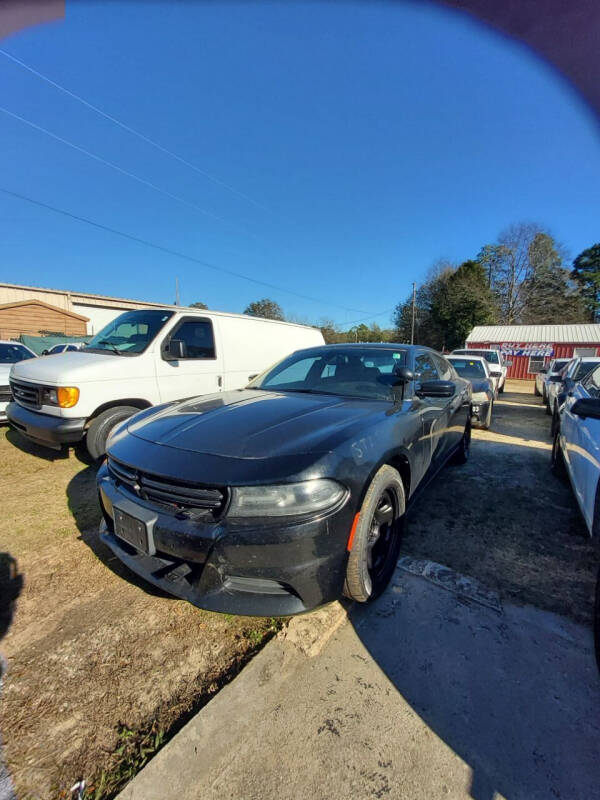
189, 361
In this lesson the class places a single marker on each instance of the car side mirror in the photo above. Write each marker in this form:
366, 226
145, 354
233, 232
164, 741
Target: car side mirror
554, 379
44, 352
587, 407
174, 349
543, 370
436, 389
404, 375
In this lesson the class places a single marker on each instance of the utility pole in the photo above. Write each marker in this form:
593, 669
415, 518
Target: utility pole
177, 303
412, 327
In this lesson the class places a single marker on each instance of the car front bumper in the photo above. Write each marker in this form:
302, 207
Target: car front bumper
45, 429
480, 412
257, 570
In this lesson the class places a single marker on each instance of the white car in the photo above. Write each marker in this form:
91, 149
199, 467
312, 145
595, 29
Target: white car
66, 347
573, 372
140, 359
498, 367
576, 446
483, 389
547, 375
10, 353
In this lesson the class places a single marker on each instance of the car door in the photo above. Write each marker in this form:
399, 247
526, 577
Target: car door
199, 370
434, 411
457, 407
581, 439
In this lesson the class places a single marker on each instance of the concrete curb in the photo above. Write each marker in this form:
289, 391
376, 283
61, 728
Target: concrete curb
461, 585
208, 734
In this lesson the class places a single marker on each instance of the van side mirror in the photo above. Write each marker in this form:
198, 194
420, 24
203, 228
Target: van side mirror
174, 349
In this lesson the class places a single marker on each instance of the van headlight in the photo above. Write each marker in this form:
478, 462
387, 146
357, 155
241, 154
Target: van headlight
63, 396
290, 499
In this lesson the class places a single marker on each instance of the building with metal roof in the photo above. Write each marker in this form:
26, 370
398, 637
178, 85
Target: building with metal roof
530, 347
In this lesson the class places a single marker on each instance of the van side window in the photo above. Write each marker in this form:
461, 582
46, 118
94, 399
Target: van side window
198, 338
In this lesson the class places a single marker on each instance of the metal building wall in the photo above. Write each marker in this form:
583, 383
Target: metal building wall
520, 364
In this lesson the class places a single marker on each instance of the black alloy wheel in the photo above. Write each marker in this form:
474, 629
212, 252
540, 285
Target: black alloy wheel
376, 544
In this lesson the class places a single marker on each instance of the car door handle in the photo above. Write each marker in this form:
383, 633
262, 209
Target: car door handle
219, 381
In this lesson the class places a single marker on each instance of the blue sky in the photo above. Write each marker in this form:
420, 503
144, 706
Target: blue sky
361, 143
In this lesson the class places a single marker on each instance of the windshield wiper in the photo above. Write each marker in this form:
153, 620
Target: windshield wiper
111, 345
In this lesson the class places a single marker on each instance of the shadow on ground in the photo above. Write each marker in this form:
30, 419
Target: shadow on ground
515, 695
84, 505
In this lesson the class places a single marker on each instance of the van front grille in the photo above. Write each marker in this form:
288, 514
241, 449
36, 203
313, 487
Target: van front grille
178, 495
26, 394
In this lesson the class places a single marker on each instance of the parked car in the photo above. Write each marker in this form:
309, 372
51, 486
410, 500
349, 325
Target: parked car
10, 353
574, 371
279, 497
142, 358
576, 446
550, 374
498, 366
476, 370
66, 347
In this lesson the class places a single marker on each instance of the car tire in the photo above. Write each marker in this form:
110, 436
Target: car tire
548, 409
501, 389
536, 391
555, 423
461, 456
101, 426
557, 458
376, 542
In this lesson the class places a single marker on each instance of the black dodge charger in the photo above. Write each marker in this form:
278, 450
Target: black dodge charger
276, 498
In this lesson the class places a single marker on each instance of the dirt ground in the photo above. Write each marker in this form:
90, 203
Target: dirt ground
90, 658
505, 519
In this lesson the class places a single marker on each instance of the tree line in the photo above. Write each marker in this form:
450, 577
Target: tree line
522, 278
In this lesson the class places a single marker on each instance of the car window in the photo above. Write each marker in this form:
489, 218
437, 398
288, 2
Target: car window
468, 369
583, 368
592, 383
444, 367
197, 335
11, 353
425, 367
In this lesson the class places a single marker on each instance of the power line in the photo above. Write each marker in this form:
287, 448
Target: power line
116, 167
133, 131
171, 252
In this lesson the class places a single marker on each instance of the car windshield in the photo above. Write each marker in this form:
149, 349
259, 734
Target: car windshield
491, 356
583, 368
365, 373
129, 333
467, 368
559, 364
11, 353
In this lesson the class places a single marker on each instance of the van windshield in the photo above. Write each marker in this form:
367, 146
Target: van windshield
130, 333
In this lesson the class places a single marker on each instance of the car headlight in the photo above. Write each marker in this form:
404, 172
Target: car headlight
480, 397
308, 497
64, 396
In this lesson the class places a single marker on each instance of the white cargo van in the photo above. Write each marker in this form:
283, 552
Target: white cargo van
140, 359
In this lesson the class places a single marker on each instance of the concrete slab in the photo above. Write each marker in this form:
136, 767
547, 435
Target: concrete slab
424, 694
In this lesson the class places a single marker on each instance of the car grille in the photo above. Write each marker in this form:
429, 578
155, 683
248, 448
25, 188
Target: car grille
176, 495
5, 394
26, 394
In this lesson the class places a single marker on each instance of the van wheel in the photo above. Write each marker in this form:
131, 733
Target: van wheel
377, 539
102, 426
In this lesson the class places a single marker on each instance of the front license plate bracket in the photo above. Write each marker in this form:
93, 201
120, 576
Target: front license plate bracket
135, 525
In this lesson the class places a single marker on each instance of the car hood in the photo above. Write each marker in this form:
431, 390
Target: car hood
250, 423
71, 368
